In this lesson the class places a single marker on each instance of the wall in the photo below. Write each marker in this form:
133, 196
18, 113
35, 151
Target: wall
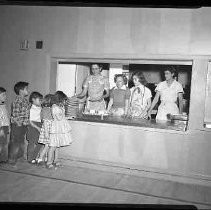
94, 32
165, 151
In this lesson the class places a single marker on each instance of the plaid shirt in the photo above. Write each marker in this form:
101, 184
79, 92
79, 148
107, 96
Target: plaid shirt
20, 111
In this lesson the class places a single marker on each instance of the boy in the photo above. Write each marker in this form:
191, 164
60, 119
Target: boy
19, 122
34, 127
4, 127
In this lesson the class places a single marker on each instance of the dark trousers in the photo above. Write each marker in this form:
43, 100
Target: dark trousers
4, 143
16, 144
34, 147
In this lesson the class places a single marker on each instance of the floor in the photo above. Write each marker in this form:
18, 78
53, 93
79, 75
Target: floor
84, 182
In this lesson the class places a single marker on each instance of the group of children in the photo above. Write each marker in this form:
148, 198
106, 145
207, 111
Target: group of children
41, 120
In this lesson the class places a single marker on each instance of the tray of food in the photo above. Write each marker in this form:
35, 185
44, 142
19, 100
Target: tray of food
95, 113
181, 117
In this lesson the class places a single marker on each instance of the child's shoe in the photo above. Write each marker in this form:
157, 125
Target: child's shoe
58, 164
50, 166
40, 162
33, 161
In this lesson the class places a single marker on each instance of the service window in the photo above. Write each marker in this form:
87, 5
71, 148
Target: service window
153, 72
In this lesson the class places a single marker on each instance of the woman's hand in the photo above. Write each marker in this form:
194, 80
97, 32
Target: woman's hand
149, 115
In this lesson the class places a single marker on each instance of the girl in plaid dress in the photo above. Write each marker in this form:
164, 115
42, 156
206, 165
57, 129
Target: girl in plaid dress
46, 118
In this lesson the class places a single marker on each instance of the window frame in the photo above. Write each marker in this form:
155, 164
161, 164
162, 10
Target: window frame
127, 61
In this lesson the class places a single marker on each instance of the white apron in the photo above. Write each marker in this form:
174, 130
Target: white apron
168, 102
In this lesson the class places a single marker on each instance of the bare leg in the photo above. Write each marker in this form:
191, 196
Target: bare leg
56, 158
50, 155
43, 152
56, 155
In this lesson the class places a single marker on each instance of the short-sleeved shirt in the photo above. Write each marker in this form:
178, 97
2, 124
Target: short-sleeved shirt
4, 118
169, 93
20, 111
35, 113
96, 85
120, 95
139, 96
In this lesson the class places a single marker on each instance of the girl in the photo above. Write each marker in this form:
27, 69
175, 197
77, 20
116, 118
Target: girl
34, 126
60, 133
119, 97
46, 118
168, 91
140, 100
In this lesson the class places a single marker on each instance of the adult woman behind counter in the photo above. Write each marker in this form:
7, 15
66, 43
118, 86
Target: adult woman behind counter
95, 84
168, 91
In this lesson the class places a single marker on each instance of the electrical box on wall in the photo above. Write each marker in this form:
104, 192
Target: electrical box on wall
39, 44
24, 45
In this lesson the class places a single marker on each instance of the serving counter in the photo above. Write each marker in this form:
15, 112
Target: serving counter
128, 121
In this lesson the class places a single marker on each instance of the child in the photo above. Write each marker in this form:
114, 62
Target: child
34, 127
4, 127
119, 97
46, 118
140, 100
60, 130
71, 107
19, 122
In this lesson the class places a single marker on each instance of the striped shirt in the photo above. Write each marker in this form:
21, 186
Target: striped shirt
71, 106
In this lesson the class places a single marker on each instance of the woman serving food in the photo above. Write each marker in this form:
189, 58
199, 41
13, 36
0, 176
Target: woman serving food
95, 85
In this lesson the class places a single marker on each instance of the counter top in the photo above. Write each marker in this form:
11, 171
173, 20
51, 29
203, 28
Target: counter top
177, 125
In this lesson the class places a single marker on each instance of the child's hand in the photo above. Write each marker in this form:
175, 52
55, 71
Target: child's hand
149, 115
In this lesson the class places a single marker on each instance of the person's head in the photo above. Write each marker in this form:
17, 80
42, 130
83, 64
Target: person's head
47, 100
120, 80
21, 88
138, 78
96, 68
36, 98
170, 73
3, 96
60, 98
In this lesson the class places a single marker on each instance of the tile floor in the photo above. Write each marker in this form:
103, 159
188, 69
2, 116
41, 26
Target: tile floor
79, 182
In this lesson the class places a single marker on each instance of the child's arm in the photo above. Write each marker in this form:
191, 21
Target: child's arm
154, 102
127, 101
16, 113
180, 97
126, 106
145, 111
111, 101
34, 125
